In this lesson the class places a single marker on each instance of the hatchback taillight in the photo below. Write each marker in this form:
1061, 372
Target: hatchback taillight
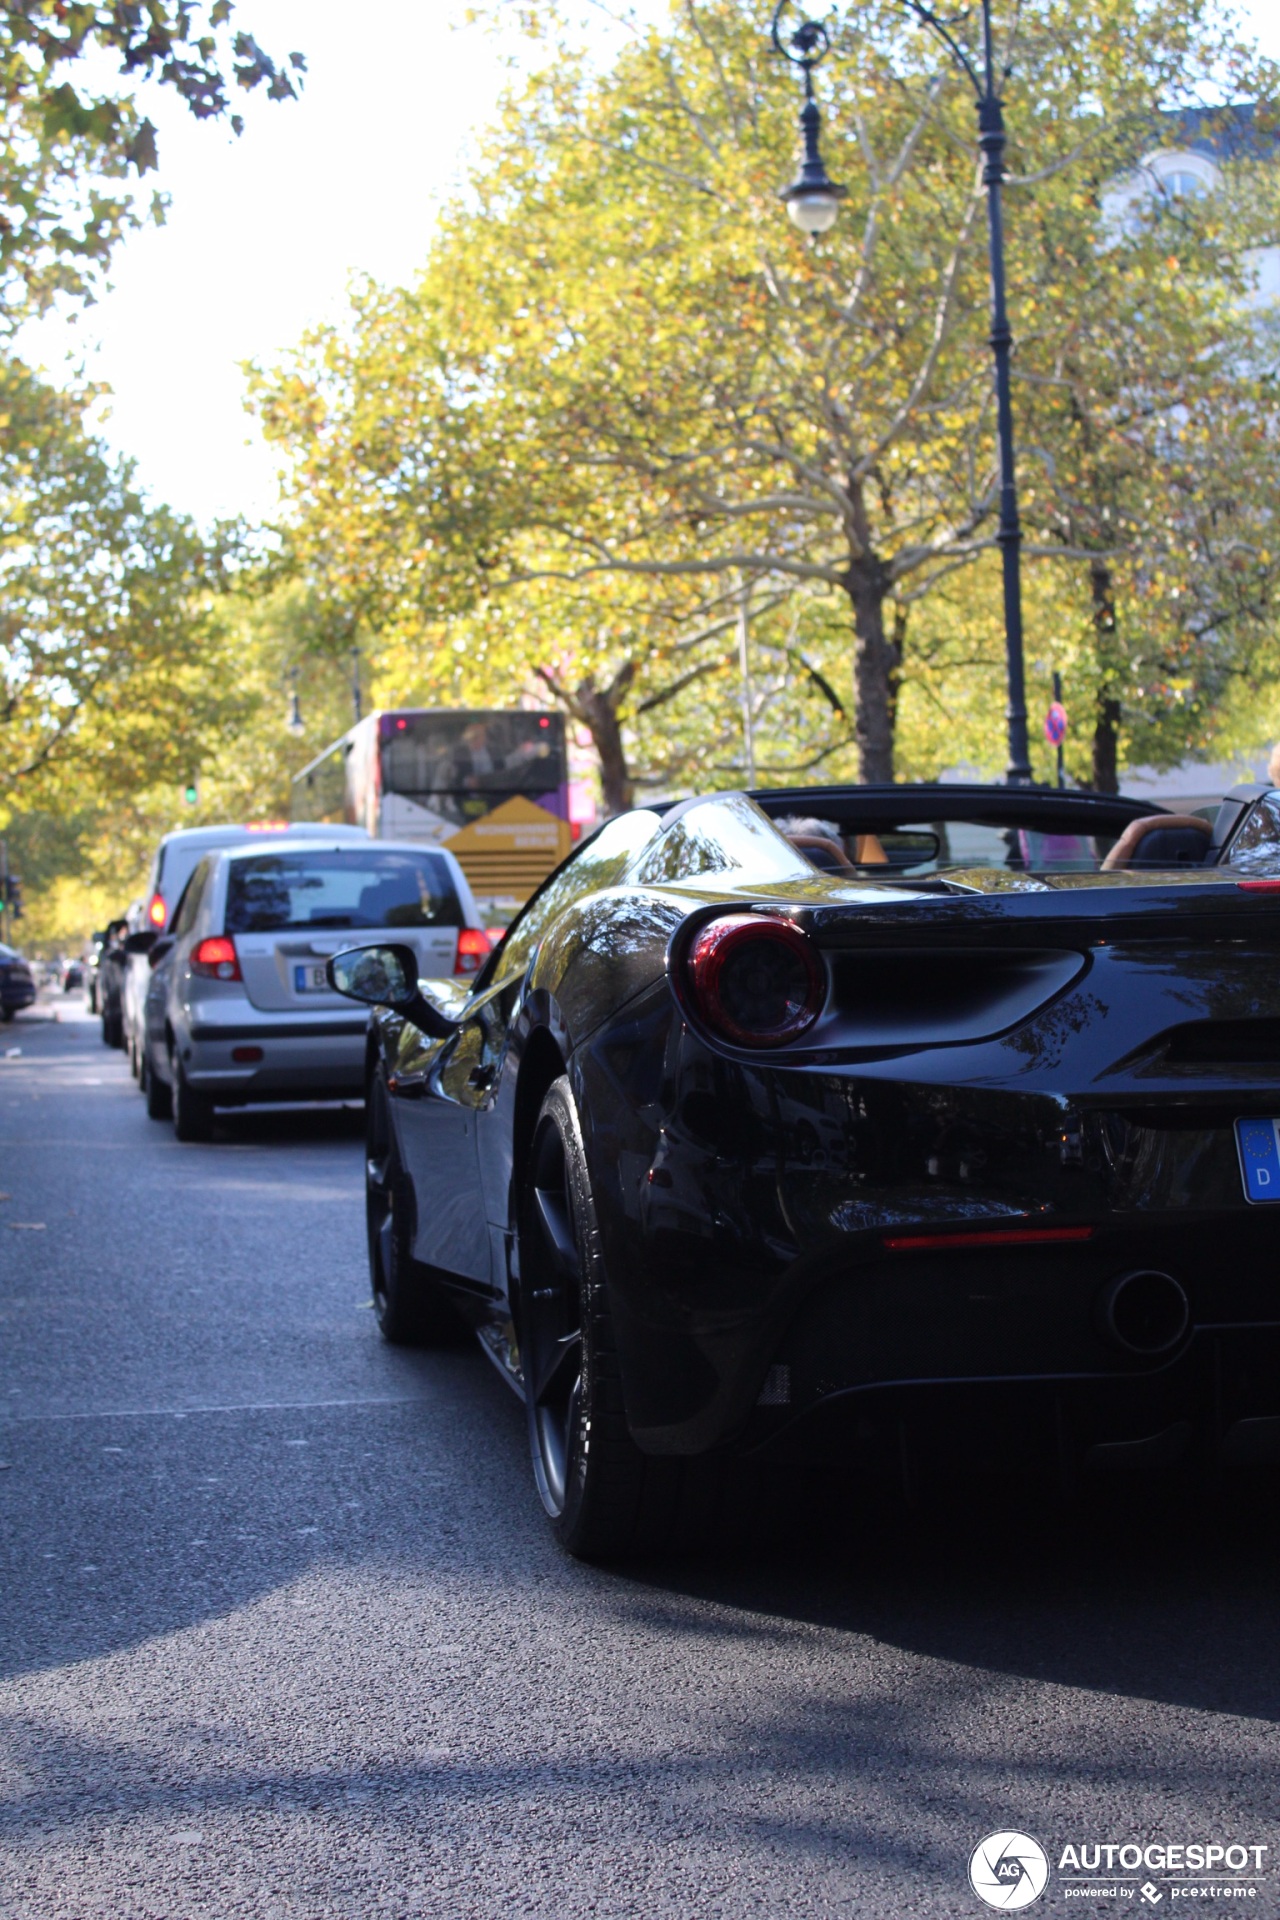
473, 947
217, 958
759, 982
157, 911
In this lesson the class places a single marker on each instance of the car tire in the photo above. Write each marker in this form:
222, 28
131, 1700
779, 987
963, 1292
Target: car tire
159, 1093
135, 1058
112, 1030
605, 1498
409, 1303
192, 1111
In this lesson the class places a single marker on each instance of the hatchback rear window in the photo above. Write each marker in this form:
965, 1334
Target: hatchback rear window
272, 891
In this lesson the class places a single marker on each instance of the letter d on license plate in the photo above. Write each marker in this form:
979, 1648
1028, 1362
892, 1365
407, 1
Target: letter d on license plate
1259, 1145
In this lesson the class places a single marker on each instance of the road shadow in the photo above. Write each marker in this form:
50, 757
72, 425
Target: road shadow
271, 1125
117, 1529
1158, 1589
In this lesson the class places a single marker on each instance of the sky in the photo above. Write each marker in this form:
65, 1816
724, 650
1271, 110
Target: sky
265, 232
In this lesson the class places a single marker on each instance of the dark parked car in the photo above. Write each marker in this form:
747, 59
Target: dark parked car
112, 961
17, 984
902, 1125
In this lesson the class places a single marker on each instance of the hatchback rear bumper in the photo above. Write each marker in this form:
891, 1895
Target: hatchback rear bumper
323, 1060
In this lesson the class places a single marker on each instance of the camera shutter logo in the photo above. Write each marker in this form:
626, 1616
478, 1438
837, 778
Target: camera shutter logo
1008, 1870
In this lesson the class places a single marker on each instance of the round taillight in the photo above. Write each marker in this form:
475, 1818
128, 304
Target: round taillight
758, 982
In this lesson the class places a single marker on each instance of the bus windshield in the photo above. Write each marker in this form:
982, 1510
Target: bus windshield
460, 765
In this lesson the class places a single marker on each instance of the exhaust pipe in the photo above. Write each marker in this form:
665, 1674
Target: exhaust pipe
1144, 1312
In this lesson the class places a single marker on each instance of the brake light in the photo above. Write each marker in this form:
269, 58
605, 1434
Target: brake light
157, 912
473, 946
1002, 1237
758, 982
266, 826
217, 958
1259, 886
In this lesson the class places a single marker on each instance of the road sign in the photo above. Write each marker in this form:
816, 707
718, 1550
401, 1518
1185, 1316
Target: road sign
1055, 724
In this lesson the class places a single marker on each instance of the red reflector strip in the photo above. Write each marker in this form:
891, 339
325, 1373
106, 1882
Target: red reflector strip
1259, 886
1007, 1237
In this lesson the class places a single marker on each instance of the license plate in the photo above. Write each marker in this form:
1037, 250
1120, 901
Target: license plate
1258, 1142
311, 980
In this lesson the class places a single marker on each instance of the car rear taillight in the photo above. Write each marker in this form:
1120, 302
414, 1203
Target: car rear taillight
1259, 886
758, 982
217, 958
473, 947
157, 911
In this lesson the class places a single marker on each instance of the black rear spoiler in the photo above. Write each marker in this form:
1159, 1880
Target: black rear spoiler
1104, 910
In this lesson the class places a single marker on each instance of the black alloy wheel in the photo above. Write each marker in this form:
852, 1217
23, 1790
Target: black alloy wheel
409, 1303
604, 1497
192, 1111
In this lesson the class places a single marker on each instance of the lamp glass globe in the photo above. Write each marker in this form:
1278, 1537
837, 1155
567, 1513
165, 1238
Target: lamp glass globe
813, 212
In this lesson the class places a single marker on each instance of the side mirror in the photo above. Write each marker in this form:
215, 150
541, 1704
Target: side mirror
141, 942
388, 977
162, 946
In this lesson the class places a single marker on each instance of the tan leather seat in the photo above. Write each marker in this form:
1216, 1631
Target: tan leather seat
830, 855
1128, 852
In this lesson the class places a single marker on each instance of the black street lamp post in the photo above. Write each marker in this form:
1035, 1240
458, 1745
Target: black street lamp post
813, 202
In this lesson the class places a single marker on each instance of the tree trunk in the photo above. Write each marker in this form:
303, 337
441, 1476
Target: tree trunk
1106, 727
598, 707
1106, 772
877, 668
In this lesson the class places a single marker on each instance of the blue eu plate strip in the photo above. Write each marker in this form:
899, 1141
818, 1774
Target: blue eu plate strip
300, 986
1259, 1144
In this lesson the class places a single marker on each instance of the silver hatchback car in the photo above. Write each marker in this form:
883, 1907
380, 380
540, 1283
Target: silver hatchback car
239, 1007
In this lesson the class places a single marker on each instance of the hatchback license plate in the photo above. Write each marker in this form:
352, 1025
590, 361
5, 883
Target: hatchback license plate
1258, 1142
310, 980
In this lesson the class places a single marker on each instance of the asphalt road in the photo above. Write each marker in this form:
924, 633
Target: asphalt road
282, 1632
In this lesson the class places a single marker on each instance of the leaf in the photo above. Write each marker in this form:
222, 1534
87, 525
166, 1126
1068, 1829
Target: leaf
142, 148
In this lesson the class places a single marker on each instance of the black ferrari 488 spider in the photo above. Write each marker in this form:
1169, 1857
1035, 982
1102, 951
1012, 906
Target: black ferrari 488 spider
899, 1125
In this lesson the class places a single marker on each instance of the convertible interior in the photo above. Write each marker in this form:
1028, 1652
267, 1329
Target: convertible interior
921, 831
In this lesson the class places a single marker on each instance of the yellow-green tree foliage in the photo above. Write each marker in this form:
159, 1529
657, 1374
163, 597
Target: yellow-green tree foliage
70, 146
83, 833
623, 388
115, 657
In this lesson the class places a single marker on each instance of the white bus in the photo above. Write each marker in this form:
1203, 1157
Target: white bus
492, 785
